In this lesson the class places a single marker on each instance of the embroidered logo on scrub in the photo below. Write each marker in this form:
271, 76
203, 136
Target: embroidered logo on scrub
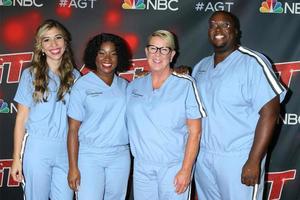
135, 93
93, 93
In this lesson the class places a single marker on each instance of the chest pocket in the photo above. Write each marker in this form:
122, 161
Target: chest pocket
230, 92
138, 98
169, 110
95, 101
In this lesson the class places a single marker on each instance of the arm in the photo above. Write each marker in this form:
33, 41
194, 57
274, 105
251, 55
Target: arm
74, 174
19, 132
183, 177
263, 135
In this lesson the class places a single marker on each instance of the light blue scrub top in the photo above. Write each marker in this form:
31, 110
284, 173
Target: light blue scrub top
101, 110
233, 93
156, 119
46, 119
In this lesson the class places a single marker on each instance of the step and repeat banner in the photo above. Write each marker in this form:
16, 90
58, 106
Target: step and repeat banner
268, 26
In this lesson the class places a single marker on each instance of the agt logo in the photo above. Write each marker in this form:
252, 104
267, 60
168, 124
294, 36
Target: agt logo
21, 3
274, 6
139, 68
76, 3
6, 179
278, 180
150, 5
201, 6
11, 66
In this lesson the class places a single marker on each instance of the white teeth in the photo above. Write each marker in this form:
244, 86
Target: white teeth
106, 65
156, 61
219, 36
55, 51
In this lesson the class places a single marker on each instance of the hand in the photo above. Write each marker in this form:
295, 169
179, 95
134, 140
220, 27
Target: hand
16, 170
74, 178
182, 69
250, 173
140, 73
182, 181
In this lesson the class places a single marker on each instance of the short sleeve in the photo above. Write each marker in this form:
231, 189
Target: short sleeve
194, 105
25, 89
76, 104
264, 85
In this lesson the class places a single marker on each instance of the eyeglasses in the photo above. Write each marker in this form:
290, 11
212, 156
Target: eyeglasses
221, 25
162, 50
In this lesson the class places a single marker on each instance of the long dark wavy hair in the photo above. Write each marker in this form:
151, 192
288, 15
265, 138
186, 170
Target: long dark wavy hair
40, 68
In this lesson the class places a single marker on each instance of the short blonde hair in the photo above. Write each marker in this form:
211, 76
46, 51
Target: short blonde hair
165, 35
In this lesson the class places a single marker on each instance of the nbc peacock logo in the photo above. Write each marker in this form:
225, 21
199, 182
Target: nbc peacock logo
134, 4
5, 2
3, 107
271, 6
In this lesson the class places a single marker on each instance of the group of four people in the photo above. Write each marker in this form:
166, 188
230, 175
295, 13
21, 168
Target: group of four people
80, 130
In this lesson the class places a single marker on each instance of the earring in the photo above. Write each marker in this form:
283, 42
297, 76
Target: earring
43, 54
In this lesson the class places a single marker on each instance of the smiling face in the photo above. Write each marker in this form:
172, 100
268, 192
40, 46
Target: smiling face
53, 45
157, 61
107, 59
222, 32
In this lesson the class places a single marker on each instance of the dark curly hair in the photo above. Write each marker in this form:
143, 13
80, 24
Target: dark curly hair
122, 48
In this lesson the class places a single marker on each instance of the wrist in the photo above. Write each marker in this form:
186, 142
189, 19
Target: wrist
253, 160
186, 169
73, 167
16, 157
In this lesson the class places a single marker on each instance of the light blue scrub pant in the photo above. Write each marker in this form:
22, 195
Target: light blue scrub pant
45, 168
218, 177
153, 181
104, 173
